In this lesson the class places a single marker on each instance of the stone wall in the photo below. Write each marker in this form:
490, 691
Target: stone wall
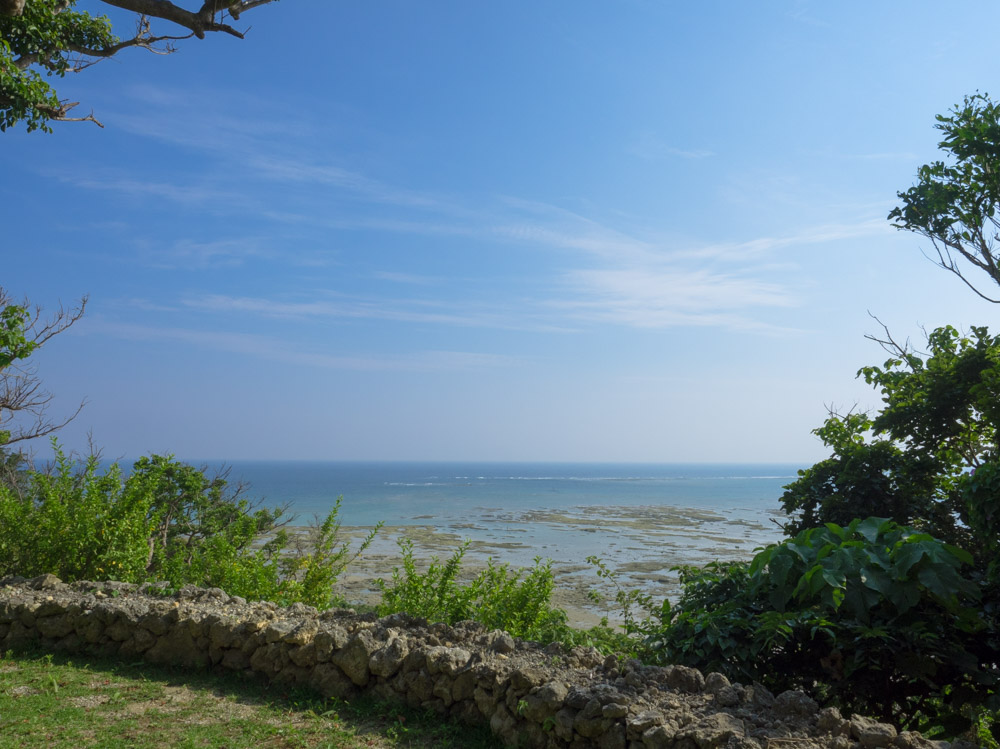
528, 695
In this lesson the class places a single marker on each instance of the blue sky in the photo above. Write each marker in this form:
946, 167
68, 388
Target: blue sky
629, 231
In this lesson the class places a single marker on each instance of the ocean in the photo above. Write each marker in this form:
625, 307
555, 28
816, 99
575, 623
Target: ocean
410, 493
642, 520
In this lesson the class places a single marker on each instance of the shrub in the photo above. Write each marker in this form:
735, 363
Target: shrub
873, 617
498, 597
165, 521
311, 571
75, 522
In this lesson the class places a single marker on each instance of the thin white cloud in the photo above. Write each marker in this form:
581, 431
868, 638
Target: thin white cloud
331, 175
907, 156
273, 349
187, 194
189, 253
421, 311
652, 148
406, 278
752, 248
595, 270
663, 298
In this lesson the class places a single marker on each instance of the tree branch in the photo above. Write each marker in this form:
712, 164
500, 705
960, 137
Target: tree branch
890, 345
21, 392
198, 22
142, 39
946, 261
239, 7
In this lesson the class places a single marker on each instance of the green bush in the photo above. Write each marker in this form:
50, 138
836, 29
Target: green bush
498, 597
873, 617
76, 523
165, 521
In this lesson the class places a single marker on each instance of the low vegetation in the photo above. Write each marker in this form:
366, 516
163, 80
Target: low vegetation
164, 522
54, 701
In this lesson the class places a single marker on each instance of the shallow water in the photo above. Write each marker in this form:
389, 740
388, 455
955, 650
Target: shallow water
640, 519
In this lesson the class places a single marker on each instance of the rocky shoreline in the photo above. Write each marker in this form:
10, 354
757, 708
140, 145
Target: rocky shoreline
528, 695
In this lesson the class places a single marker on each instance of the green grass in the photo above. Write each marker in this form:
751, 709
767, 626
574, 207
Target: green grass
58, 701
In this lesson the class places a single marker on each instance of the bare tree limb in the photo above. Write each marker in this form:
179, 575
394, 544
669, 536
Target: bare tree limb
23, 402
142, 39
199, 22
891, 346
946, 261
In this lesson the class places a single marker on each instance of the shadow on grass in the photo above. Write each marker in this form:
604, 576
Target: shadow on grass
368, 720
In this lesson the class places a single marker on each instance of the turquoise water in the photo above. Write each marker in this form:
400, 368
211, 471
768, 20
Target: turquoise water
412, 493
640, 517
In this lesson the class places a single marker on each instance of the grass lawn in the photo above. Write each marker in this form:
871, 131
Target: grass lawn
78, 701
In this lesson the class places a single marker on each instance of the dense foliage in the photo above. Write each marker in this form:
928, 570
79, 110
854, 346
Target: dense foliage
873, 617
498, 596
913, 632
927, 458
47, 34
166, 522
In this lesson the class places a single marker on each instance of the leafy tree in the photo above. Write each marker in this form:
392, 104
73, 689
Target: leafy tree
44, 38
23, 402
188, 509
873, 617
930, 458
955, 204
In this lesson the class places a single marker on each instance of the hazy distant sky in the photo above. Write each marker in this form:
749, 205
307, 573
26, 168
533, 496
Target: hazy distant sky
622, 231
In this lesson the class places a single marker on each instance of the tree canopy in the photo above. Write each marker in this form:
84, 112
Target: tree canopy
928, 459
954, 204
44, 38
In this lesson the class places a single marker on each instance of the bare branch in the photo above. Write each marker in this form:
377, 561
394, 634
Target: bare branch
199, 22
23, 402
57, 113
889, 343
142, 39
89, 118
946, 261
239, 7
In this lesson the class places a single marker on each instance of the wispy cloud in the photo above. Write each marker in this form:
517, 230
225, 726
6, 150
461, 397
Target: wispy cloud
752, 248
183, 193
661, 298
189, 253
652, 148
406, 278
331, 175
457, 313
593, 271
884, 156
274, 349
